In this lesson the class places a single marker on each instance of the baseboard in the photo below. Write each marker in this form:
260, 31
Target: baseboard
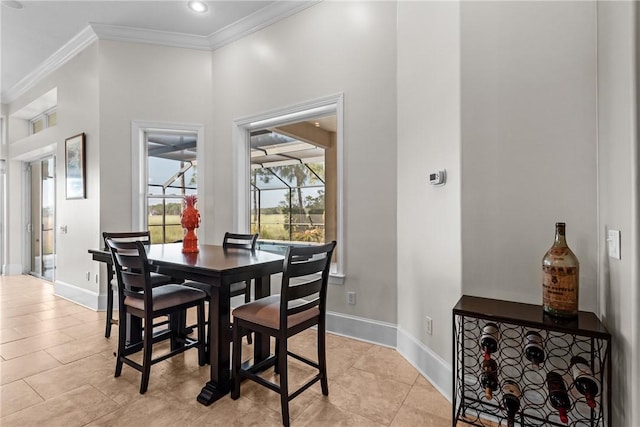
368, 330
428, 363
12, 269
83, 297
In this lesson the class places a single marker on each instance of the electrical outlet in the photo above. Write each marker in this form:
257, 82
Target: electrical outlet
429, 325
88, 276
351, 298
613, 238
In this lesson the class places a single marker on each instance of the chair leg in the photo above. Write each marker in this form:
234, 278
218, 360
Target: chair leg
247, 299
284, 382
322, 357
276, 367
147, 348
122, 340
201, 335
236, 358
107, 332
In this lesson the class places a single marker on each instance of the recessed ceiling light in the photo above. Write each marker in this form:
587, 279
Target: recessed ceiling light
198, 6
12, 4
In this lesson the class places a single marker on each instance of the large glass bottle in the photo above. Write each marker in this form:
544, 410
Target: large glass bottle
560, 271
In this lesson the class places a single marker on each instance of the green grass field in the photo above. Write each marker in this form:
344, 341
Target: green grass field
173, 232
272, 228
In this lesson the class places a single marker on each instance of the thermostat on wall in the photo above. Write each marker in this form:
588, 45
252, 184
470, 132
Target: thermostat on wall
437, 178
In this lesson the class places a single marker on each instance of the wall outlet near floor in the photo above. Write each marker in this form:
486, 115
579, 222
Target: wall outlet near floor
88, 276
351, 298
429, 325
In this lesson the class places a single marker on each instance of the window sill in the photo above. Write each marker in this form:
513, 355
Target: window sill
336, 279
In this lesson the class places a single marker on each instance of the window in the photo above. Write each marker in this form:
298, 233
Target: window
172, 174
42, 121
288, 182
165, 156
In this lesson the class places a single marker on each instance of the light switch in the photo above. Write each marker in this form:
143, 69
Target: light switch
613, 240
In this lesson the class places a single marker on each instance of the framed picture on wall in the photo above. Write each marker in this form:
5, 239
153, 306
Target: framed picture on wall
74, 167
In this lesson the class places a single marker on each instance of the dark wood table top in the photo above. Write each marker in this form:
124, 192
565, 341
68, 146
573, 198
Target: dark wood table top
211, 259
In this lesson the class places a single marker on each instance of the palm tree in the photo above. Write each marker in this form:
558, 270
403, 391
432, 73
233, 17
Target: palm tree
298, 174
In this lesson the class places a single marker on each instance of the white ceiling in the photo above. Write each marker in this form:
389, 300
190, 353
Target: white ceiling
32, 34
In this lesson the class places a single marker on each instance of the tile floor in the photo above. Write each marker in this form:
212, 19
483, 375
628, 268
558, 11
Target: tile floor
56, 369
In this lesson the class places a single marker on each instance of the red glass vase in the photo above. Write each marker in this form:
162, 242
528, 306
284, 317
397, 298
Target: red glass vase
190, 221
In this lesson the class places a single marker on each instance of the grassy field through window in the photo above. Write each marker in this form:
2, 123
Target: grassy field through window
174, 230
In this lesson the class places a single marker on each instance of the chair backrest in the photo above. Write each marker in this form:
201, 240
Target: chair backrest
128, 236
132, 269
239, 241
305, 261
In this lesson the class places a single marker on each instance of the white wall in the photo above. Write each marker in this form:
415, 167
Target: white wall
429, 251
149, 83
329, 48
77, 112
528, 144
618, 186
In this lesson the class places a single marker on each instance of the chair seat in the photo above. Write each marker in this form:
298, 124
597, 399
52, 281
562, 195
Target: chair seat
266, 312
235, 288
167, 296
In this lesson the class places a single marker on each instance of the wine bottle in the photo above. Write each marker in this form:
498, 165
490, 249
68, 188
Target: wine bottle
584, 380
510, 400
558, 396
560, 270
489, 339
534, 349
489, 377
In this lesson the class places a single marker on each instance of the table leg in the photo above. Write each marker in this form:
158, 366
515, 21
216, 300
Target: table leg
219, 349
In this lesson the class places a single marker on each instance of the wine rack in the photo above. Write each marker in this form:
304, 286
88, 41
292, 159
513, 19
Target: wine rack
583, 336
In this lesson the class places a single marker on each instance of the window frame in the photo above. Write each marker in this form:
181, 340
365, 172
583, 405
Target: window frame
139, 180
44, 116
333, 104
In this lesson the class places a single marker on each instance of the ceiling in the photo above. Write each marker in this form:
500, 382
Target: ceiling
32, 33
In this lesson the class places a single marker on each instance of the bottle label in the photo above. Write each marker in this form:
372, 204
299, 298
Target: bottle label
490, 331
511, 388
560, 288
581, 370
534, 340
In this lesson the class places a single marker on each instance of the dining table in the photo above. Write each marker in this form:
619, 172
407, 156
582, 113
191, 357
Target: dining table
217, 267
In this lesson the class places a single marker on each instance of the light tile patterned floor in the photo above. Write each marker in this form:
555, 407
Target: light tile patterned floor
56, 369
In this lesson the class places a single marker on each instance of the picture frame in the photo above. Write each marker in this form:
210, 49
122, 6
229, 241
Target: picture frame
74, 167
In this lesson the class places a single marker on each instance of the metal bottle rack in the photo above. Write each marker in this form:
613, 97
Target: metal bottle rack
583, 336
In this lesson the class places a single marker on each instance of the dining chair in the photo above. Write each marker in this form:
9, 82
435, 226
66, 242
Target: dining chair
300, 305
138, 297
241, 242
156, 278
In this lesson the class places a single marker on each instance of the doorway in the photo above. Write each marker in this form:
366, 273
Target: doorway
41, 181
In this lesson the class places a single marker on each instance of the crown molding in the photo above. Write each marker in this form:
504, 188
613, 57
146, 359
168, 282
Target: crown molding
60, 57
158, 37
258, 20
